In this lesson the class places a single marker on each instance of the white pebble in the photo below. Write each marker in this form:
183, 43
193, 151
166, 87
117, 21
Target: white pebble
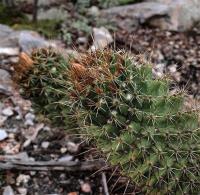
22, 191
63, 150
29, 122
2, 119
22, 179
45, 144
85, 187
8, 191
29, 116
7, 111
66, 158
3, 134
72, 147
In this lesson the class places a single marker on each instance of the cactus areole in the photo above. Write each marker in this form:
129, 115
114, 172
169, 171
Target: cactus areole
133, 118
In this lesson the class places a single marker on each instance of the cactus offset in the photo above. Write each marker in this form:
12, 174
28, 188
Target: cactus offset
42, 77
135, 120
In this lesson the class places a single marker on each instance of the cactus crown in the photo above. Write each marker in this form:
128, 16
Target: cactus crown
134, 119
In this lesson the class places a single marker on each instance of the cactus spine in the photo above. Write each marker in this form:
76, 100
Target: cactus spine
135, 120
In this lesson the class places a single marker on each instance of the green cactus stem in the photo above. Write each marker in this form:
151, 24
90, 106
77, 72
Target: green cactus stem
132, 117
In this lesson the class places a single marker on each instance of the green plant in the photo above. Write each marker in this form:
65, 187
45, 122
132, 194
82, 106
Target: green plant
134, 119
42, 77
48, 28
11, 15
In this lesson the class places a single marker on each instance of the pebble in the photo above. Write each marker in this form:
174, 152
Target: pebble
94, 11
102, 38
82, 40
18, 117
8, 51
6, 83
72, 147
66, 158
85, 187
7, 111
8, 191
63, 150
45, 144
29, 116
22, 179
2, 120
3, 134
29, 119
29, 122
22, 191
11, 135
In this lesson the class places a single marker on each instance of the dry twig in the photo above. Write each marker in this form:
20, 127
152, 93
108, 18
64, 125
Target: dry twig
105, 183
8, 164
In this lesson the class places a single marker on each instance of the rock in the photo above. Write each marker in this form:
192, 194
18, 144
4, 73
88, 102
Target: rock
22, 179
82, 40
6, 83
5, 30
7, 111
23, 156
45, 144
130, 16
29, 122
2, 120
31, 133
9, 51
22, 191
8, 191
11, 42
72, 147
176, 15
54, 13
29, 116
86, 188
14, 60
29, 119
7, 37
102, 38
93, 11
182, 15
29, 40
63, 150
66, 158
3, 134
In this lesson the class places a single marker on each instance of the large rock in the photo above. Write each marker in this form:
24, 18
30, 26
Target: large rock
176, 15
5, 30
12, 42
130, 16
182, 15
29, 40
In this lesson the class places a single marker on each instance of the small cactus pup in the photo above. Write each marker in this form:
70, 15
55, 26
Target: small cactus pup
42, 77
137, 122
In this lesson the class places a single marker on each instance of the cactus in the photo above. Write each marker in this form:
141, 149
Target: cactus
135, 120
42, 77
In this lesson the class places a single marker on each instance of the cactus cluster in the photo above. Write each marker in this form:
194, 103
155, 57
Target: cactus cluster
138, 123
